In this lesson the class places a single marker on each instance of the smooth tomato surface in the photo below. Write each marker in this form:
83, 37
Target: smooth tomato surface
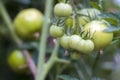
101, 39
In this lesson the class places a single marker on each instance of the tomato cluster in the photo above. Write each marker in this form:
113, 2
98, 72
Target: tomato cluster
75, 42
82, 33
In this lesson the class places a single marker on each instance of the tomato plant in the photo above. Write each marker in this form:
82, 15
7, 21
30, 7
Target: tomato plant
74, 40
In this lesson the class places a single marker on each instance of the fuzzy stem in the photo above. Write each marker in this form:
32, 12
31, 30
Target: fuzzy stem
9, 23
43, 40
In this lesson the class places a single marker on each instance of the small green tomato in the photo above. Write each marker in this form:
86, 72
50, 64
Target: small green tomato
62, 10
64, 41
56, 31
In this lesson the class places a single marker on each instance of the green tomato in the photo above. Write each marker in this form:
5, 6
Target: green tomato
62, 10
69, 23
28, 22
85, 46
74, 55
64, 41
17, 61
101, 39
56, 31
73, 41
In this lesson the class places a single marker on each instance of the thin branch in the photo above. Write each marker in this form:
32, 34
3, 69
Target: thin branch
62, 61
82, 77
47, 66
95, 64
30, 62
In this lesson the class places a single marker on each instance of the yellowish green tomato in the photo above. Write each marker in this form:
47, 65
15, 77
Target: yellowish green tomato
101, 39
17, 61
56, 31
69, 23
85, 46
74, 55
64, 41
73, 41
28, 22
62, 10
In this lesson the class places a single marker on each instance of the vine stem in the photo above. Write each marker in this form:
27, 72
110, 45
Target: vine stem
50, 63
43, 41
9, 24
18, 41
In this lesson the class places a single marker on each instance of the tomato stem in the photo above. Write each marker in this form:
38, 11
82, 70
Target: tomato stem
43, 41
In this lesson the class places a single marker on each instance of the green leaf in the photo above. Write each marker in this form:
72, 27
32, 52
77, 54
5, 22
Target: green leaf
67, 77
112, 21
112, 18
95, 5
112, 29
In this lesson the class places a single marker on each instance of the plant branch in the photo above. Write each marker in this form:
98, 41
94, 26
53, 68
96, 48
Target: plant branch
80, 73
30, 62
43, 40
62, 61
47, 66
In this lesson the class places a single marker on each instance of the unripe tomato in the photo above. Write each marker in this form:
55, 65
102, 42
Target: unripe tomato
62, 10
69, 23
74, 55
64, 41
17, 61
101, 39
85, 46
28, 22
92, 12
73, 41
56, 31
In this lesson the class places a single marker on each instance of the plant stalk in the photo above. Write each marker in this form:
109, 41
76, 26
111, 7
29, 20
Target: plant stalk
43, 40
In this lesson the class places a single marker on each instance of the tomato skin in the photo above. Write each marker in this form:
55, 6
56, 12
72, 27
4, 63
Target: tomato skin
101, 39
56, 31
89, 46
64, 41
17, 61
73, 41
85, 46
62, 10
69, 23
27, 22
